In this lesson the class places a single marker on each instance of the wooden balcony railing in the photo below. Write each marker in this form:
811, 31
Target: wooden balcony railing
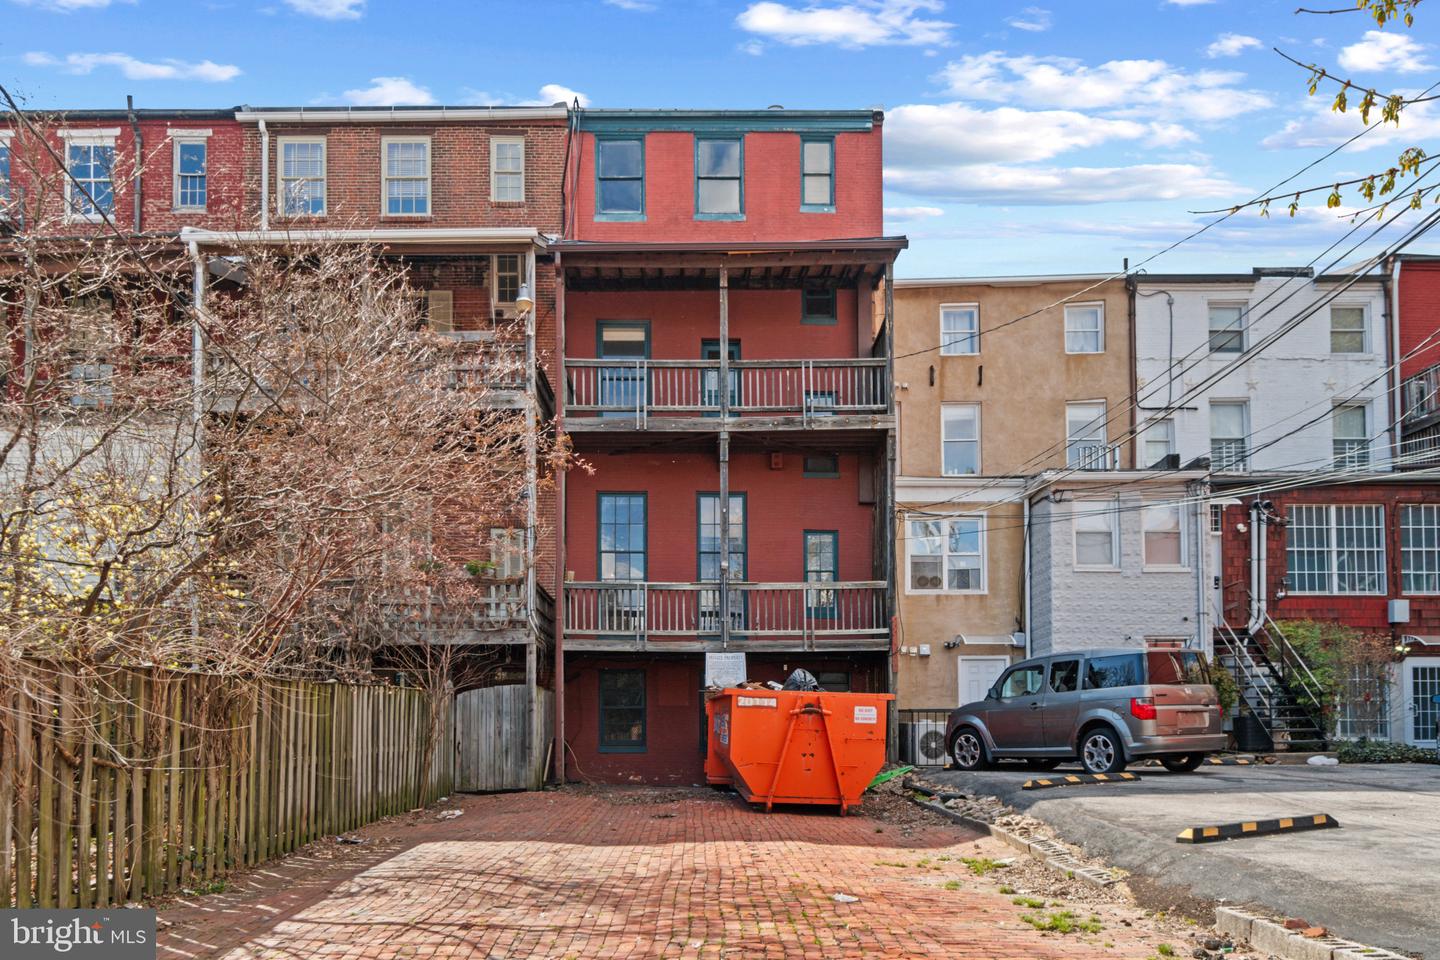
808, 388
808, 611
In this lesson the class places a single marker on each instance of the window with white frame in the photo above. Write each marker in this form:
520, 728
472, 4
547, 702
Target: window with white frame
1159, 441
959, 329
960, 438
90, 186
1351, 435
302, 176
405, 176
507, 169
1229, 434
507, 278
1097, 534
1347, 329
1364, 708
1335, 549
191, 182
945, 555
1085, 444
1085, 328
1227, 327
1164, 535
1420, 548
1217, 518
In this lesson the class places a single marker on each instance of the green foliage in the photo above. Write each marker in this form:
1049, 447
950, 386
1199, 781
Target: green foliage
1225, 687
1007, 889
1165, 950
1381, 751
981, 865
1334, 653
1030, 902
1063, 922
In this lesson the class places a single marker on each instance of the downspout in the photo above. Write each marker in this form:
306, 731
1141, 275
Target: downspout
264, 176
1134, 374
1204, 635
561, 560
1394, 377
1029, 640
532, 491
139, 154
1259, 548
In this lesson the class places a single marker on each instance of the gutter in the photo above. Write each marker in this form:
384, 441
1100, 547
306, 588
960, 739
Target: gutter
387, 235
139, 156
397, 114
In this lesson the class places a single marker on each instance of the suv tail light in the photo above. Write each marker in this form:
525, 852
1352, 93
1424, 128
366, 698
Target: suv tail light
1142, 708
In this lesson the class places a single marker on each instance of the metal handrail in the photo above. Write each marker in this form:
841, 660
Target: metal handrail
1311, 684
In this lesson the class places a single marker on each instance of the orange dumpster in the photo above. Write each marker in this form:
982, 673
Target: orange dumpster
794, 746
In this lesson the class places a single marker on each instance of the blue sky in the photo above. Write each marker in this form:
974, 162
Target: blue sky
1047, 137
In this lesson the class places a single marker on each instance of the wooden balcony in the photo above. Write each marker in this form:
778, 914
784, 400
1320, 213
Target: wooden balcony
636, 615
498, 617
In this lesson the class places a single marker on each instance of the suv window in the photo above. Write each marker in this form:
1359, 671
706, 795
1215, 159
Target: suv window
1064, 676
1122, 670
1176, 667
1021, 682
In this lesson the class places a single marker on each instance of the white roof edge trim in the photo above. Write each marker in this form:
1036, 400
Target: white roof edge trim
401, 116
997, 281
378, 235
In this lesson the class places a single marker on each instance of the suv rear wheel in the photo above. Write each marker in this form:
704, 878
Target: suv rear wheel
1101, 751
1183, 763
968, 750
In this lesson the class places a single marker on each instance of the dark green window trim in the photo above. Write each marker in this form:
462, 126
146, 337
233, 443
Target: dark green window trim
829, 206
644, 550
821, 466
632, 745
818, 306
825, 607
621, 216
739, 141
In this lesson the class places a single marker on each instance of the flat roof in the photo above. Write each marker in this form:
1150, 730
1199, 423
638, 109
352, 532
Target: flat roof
1012, 280
775, 118
742, 246
409, 114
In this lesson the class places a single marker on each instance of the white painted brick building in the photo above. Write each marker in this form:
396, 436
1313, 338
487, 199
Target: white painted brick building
1325, 379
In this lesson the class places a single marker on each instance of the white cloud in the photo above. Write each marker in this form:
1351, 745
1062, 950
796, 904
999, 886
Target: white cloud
69, 6
329, 9
556, 93
1143, 88
548, 94
1315, 125
858, 23
998, 184
389, 92
640, 6
929, 135
912, 213
1231, 45
1381, 51
206, 71
1034, 19
753, 47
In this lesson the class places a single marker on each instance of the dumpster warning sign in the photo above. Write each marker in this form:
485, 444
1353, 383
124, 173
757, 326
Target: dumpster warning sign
865, 715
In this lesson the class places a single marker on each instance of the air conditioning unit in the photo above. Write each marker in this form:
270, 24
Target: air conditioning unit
922, 742
506, 311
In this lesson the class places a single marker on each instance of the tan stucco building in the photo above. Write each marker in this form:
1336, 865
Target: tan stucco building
997, 379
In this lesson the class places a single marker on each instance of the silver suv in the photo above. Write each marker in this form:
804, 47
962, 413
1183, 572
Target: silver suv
1106, 707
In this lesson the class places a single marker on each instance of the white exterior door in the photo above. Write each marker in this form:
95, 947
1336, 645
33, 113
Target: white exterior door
1421, 684
977, 674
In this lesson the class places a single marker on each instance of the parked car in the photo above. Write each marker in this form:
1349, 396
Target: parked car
1105, 707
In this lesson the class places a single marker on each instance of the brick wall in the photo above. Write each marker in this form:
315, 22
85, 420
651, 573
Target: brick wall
1419, 302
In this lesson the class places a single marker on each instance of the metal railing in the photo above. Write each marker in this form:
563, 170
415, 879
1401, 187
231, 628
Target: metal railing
1420, 395
812, 388
854, 609
1293, 668
1233, 455
1091, 455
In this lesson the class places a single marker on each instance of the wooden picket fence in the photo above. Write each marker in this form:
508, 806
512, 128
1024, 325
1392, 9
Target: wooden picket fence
135, 783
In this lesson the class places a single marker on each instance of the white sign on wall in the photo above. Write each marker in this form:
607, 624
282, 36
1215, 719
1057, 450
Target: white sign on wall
724, 669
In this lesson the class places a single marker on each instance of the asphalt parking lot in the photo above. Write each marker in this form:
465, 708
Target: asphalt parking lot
1374, 880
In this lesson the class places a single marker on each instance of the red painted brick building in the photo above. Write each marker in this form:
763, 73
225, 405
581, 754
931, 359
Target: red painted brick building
687, 230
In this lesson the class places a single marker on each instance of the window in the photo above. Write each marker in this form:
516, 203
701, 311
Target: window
4, 168
1229, 433
92, 332
507, 278
1021, 682
817, 175
507, 558
836, 681
719, 186
825, 466
622, 388
1122, 670
622, 711
959, 329
1164, 535
620, 179
1097, 543
818, 306
1085, 446
822, 565
1085, 328
946, 555
1364, 709
960, 438
1227, 328
1420, 548
820, 403
708, 555
406, 176
1065, 676
1159, 442
507, 169
1352, 437
90, 188
1347, 329
302, 177
1423, 689
190, 174
1335, 549
622, 536
1217, 518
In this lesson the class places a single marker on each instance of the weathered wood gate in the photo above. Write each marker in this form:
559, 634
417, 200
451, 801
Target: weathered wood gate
494, 746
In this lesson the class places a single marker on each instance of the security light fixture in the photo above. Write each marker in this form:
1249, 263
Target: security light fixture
523, 301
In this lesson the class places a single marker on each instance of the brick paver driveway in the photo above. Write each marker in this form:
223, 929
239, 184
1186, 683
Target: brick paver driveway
631, 874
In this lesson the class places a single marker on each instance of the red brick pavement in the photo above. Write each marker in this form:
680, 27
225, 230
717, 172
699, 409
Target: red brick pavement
627, 874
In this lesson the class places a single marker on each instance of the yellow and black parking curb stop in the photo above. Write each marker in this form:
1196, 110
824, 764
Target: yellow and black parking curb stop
1076, 779
1256, 828
1231, 762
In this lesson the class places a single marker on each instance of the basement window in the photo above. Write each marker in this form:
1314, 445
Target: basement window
622, 711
